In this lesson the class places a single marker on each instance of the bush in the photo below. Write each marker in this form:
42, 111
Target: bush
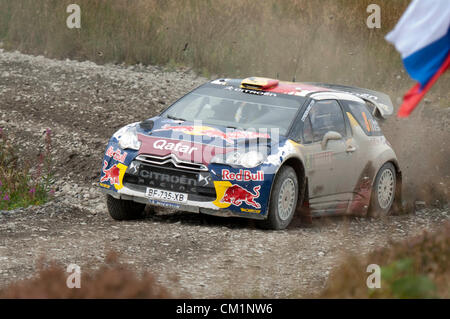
22, 183
416, 268
111, 280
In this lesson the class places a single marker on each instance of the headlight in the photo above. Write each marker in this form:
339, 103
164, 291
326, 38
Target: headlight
248, 160
127, 138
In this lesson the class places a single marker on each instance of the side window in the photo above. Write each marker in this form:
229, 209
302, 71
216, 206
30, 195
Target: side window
364, 117
307, 131
326, 116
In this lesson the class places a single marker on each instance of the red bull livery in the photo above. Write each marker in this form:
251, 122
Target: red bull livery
257, 148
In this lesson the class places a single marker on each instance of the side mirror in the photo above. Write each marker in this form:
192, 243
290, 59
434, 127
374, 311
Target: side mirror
330, 135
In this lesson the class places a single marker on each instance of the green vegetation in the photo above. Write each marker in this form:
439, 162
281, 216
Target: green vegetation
402, 282
22, 184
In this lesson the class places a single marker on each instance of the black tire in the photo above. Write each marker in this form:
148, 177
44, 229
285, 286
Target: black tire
274, 220
120, 209
377, 207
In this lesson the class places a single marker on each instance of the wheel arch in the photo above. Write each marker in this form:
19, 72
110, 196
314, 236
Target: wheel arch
299, 168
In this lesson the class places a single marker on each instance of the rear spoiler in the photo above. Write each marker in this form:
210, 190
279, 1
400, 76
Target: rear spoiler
382, 102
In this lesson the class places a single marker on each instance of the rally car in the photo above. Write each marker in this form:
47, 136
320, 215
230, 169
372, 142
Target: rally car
257, 148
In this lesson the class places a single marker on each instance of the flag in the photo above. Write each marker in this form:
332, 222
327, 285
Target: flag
422, 37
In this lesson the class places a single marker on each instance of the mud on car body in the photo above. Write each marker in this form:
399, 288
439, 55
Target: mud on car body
257, 148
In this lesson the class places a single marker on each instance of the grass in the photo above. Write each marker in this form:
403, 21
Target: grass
24, 183
236, 37
111, 280
321, 40
416, 268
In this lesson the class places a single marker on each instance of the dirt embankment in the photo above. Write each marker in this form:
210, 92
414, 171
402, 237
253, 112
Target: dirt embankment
84, 103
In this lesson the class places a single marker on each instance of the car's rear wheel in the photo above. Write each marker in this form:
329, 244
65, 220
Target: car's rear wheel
383, 191
283, 200
120, 209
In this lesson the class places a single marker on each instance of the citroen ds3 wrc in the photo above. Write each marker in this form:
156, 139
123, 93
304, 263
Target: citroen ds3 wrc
257, 148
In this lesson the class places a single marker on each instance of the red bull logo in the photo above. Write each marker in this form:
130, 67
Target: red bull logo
116, 154
111, 174
213, 132
236, 195
242, 175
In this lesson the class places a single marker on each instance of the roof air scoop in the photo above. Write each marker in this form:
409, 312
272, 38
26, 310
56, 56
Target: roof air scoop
147, 124
255, 83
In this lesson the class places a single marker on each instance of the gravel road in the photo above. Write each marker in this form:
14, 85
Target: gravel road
83, 104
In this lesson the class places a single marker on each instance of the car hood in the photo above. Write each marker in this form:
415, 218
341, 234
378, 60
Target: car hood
191, 141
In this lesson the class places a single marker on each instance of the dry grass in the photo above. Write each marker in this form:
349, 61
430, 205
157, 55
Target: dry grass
416, 268
112, 280
236, 37
320, 40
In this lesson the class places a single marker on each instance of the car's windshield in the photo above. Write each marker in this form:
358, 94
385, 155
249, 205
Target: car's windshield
230, 107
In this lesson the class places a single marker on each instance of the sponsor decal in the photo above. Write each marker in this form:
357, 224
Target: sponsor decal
353, 121
171, 181
116, 154
242, 176
220, 81
375, 126
296, 93
105, 185
160, 146
318, 159
212, 132
368, 127
263, 93
236, 195
113, 175
177, 147
378, 140
176, 179
133, 169
163, 204
305, 115
362, 95
204, 179
250, 210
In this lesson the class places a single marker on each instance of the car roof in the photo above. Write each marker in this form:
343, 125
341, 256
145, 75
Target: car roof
289, 88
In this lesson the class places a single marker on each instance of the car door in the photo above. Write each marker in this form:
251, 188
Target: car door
327, 153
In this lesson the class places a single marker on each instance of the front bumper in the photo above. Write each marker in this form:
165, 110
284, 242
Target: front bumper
212, 188
191, 207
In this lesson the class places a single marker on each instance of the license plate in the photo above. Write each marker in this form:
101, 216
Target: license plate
164, 195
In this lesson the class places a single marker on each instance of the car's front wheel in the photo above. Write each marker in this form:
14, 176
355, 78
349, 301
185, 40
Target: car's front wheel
283, 200
383, 191
120, 209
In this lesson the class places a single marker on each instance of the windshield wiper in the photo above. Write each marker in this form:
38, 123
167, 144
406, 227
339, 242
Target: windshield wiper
175, 118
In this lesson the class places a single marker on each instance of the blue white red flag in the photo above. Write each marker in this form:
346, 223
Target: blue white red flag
422, 37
